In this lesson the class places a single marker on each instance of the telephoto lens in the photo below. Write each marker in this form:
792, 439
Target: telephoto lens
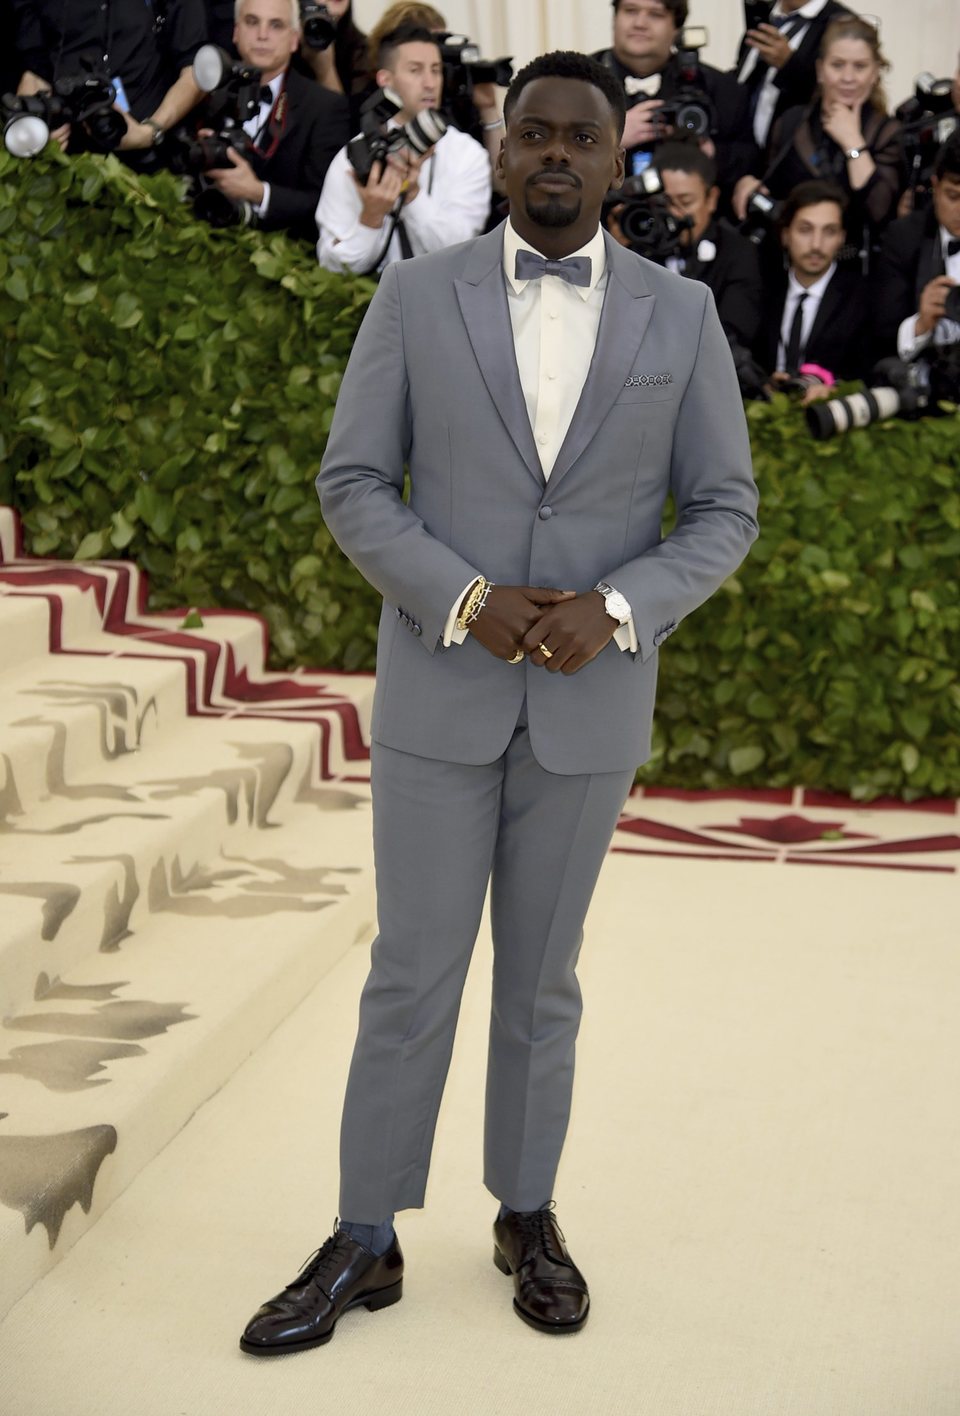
424, 130
838, 415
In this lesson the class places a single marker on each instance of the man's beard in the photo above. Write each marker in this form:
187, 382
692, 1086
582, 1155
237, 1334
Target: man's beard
552, 213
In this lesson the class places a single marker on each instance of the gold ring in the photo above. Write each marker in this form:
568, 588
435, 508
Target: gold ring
547, 653
517, 658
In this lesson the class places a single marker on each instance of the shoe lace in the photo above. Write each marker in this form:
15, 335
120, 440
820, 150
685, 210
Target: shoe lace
320, 1261
540, 1226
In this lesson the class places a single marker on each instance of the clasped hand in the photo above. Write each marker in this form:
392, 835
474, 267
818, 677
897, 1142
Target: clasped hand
525, 618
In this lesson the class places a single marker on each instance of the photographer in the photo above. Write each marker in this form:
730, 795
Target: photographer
477, 112
817, 313
410, 204
148, 62
299, 128
643, 57
845, 135
708, 249
777, 62
919, 266
342, 66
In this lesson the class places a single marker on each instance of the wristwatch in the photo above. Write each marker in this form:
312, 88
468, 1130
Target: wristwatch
853, 153
616, 605
158, 132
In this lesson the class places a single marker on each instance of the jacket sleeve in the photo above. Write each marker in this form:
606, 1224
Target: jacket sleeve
360, 484
711, 479
295, 206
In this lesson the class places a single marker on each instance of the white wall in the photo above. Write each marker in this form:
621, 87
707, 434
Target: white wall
916, 34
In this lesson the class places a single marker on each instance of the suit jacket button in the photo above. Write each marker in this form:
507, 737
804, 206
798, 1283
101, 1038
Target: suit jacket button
417, 629
545, 513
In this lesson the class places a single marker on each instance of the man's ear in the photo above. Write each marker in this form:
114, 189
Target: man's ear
713, 197
621, 168
384, 78
498, 161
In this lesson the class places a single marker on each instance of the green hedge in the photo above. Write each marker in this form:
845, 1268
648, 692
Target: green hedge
167, 392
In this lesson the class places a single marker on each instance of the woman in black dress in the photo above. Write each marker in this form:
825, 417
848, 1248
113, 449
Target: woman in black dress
844, 135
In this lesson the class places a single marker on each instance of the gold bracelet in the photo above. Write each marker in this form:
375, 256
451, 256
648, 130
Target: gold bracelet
466, 614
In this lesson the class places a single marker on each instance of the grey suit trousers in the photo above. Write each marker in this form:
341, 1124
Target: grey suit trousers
442, 831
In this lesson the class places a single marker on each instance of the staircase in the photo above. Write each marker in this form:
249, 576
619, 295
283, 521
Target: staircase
184, 853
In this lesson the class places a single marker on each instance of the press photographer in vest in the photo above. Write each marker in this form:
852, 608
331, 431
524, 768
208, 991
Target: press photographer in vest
397, 191
298, 129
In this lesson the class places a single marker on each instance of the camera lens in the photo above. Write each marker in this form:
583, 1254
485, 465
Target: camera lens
25, 135
425, 130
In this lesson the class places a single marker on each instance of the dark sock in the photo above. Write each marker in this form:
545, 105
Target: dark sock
505, 1210
375, 1237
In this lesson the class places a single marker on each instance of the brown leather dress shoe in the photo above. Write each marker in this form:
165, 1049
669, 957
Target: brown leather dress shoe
550, 1292
342, 1274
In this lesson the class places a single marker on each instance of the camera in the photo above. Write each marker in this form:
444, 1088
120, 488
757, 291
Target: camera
463, 67
904, 394
234, 97
929, 120
762, 216
317, 25
375, 141
757, 13
85, 100
689, 111
646, 220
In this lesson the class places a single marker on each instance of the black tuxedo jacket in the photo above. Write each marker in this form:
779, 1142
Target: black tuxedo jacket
910, 257
317, 126
734, 277
840, 338
797, 80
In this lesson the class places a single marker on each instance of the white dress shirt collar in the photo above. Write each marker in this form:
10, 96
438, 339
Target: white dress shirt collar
595, 250
809, 11
819, 287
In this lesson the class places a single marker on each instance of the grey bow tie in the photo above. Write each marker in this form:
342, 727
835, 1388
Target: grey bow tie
575, 270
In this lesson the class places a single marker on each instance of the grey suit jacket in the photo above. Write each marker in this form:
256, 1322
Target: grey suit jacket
432, 382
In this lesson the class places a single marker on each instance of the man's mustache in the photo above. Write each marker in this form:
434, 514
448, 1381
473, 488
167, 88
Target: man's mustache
554, 176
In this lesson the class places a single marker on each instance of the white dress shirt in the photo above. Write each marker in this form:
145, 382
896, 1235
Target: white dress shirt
554, 328
795, 290
909, 343
256, 125
769, 93
452, 205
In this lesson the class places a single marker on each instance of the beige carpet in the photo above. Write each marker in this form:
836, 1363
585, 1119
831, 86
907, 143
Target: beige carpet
760, 1182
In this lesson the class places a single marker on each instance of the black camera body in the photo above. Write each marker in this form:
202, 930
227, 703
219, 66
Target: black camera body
317, 26
375, 141
690, 111
757, 13
929, 120
762, 217
85, 100
234, 100
646, 220
463, 69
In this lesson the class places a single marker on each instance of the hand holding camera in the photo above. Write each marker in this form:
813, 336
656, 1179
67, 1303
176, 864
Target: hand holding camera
641, 126
771, 45
935, 304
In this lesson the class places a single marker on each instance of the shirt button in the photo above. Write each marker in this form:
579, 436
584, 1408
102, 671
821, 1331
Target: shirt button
551, 376
545, 513
542, 439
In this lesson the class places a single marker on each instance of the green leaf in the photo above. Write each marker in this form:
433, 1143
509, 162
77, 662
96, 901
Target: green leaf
746, 759
80, 295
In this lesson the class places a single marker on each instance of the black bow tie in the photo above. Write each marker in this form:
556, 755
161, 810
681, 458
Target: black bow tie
953, 247
575, 270
266, 95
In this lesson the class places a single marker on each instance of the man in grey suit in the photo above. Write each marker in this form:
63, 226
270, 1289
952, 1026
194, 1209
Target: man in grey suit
547, 390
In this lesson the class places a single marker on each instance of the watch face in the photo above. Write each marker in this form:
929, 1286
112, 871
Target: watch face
618, 607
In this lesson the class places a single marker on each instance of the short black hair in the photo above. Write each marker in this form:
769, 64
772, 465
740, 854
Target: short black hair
947, 162
686, 157
566, 64
679, 9
808, 194
403, 34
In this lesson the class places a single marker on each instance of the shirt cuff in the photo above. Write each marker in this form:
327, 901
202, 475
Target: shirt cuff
451, 634
626, 637
261, 208
909, 343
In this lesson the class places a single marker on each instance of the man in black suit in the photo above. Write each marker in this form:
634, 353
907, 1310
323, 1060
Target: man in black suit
643, 57
298, 130
710, 250
918, 266
777, 62
817, 313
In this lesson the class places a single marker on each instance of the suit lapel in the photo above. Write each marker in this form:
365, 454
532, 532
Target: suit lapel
829, 306
482, 296
627, 308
